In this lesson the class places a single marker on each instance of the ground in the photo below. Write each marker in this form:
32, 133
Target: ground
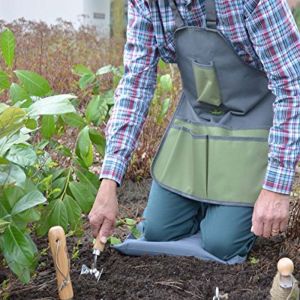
159, 277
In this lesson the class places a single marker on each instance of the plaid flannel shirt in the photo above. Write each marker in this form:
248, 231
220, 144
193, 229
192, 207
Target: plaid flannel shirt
262, 32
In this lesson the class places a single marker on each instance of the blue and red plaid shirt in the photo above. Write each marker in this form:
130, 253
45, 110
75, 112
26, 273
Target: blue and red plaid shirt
262, 32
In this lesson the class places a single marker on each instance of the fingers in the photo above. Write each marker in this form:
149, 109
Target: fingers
257, 224
95, 223
283, 225
267, 229
106, 230
270, 215
104, 211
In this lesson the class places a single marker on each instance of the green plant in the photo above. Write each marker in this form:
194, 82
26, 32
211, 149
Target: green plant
4, 294
253, 260
34, 192
131, 227
161, 100
296, 14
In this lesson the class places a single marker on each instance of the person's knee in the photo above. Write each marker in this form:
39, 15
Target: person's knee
153, 231
223, 247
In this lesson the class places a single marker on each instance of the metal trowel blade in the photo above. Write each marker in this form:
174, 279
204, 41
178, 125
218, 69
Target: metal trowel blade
85, 270
94, 272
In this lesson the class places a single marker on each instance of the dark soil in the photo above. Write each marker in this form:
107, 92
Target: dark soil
159, 277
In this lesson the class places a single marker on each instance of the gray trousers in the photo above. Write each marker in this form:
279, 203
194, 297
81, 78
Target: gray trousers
224, 230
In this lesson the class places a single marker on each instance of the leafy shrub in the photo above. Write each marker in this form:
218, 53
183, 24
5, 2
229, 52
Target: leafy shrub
35, 193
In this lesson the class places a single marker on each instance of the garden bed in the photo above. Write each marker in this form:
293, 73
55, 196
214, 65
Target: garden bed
159, 277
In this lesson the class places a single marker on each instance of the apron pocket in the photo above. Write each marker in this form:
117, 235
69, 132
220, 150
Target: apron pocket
181, 162
206, 82
236, 168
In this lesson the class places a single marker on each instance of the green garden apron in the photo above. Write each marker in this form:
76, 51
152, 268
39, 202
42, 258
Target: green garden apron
215, 148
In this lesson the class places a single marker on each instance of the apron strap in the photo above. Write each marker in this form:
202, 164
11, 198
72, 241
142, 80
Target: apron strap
211, 14
178, 18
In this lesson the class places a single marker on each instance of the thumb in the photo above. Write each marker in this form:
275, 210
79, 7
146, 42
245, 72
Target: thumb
105, 231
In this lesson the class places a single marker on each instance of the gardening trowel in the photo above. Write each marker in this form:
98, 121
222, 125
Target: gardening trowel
98, 248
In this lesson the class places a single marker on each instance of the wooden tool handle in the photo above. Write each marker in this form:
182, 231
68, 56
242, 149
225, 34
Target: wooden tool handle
98, 245
285, 266
57, 241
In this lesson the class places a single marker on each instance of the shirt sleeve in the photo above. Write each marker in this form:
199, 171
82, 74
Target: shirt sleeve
276, 40
134, 92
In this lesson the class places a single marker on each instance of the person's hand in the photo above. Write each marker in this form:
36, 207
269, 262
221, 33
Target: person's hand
102, 216
271, 214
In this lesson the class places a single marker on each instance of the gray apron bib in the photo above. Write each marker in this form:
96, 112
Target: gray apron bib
215, 148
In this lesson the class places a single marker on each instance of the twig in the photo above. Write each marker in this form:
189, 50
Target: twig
176, 284
39, 287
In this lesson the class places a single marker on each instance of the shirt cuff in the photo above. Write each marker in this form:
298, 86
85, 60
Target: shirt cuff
279, 179
114, 168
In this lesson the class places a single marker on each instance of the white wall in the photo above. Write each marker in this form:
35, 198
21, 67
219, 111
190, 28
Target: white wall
45, 10
99, 14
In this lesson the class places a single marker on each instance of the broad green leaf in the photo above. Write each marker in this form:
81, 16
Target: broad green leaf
114, 240
59, 215
22, 155
8, 44
86, 80
4, 208
88, 160
10, 196
22, 219
54, 214
162, 65
4, 81
82, 195
166, 83
56, 173
81, 70
135, 232
73, 211
89, 179
92, 112
7, 142
3, 225
105, 70
58, 185
31, 124
96, 110
108, 97
48, 127
98, 140
54, 105
83, 141
11, 174
35, 84
74, 120
30, 200
19, 252
84, 148
11, 120
17, 93
130, 222
164, 109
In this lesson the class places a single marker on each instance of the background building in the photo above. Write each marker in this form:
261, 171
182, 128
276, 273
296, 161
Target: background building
109, 16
